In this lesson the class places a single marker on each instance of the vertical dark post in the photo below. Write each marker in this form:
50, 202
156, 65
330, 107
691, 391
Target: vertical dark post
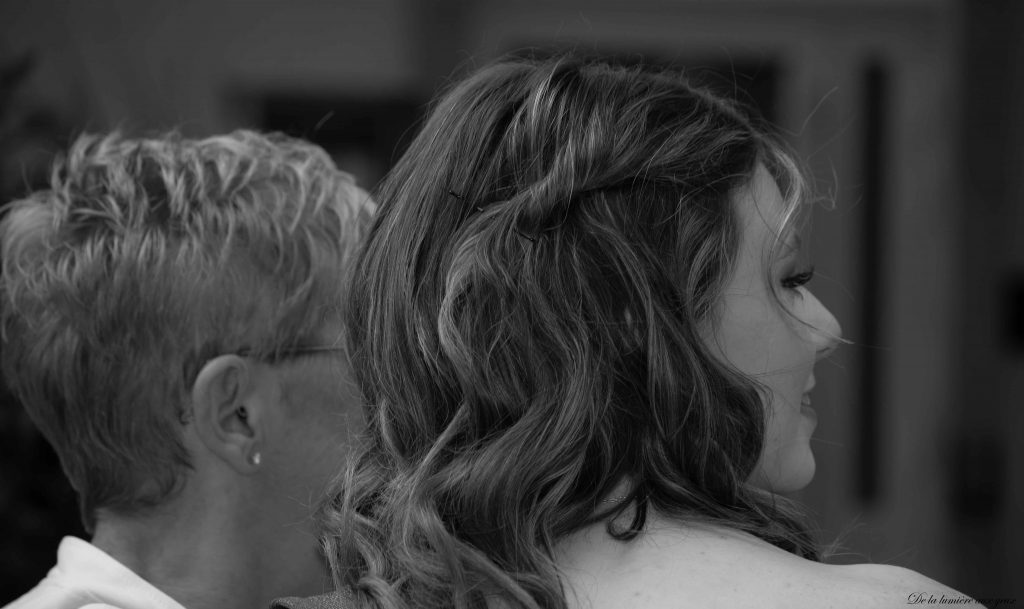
873, 239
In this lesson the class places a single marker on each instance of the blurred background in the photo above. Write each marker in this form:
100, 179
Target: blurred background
908, 113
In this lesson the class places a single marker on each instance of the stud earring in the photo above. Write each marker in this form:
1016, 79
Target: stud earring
255, 458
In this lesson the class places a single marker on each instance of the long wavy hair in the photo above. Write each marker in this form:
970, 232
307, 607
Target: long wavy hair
526, 321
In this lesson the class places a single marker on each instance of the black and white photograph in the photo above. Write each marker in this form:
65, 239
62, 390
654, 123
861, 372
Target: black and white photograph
520, 304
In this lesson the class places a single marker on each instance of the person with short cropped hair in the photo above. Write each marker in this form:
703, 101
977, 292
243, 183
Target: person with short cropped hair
171, 317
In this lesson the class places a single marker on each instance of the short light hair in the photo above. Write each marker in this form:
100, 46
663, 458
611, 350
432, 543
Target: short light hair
145, 258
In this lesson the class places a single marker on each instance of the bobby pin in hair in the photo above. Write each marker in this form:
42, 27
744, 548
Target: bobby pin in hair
479, 209
524, 236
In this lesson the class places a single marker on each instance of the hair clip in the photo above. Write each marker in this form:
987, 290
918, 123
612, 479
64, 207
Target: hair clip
532, 240
480, 209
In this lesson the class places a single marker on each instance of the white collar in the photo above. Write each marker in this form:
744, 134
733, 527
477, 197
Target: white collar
83, 566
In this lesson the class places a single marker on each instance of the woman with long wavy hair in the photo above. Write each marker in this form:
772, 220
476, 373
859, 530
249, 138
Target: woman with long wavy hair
582, 331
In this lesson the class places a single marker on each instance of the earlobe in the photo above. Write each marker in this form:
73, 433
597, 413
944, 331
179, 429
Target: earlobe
228, 416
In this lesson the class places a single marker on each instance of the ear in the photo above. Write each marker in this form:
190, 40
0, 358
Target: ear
230, 412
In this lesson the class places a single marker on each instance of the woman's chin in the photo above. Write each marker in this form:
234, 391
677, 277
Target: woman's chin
793, 477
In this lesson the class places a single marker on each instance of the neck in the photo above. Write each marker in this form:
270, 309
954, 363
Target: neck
194, 561
211, 556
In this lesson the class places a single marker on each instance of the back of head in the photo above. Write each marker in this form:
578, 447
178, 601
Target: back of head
528, 313
146, 257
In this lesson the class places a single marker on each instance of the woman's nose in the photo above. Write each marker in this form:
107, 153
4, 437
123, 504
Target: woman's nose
826, 333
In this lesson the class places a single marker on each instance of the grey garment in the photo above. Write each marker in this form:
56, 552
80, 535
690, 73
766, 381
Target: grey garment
334, 600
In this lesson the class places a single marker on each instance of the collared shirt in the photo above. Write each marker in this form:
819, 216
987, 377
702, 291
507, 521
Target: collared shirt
86, 575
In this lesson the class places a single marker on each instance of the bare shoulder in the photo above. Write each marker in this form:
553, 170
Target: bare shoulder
882, 586
680, 569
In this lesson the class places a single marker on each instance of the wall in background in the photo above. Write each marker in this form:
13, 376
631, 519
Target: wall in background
988, 461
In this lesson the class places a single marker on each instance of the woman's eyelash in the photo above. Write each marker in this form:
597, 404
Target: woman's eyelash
794, 281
